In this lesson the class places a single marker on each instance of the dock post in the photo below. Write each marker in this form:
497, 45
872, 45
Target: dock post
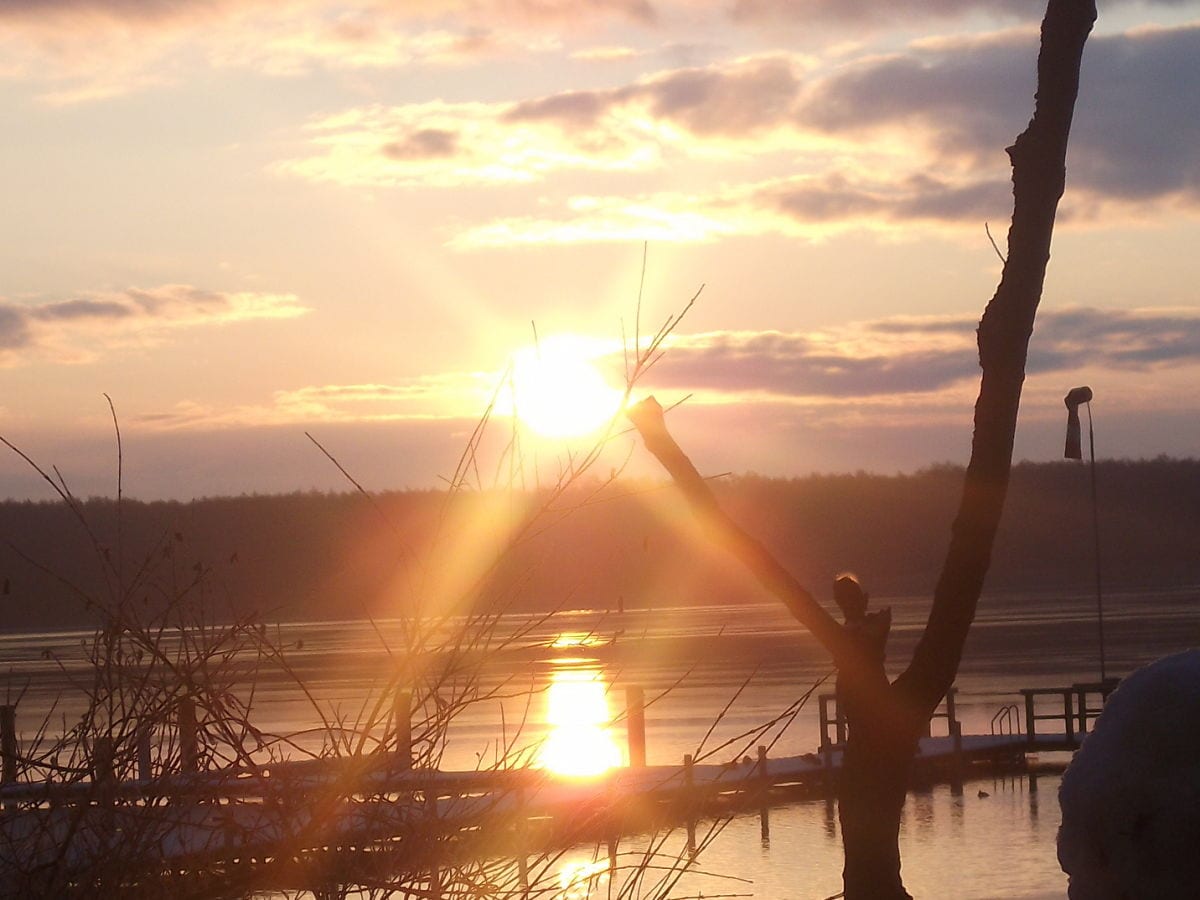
8, 744
1030, 728
956, 775
827, 763
402, 720
144, 770
1069, 715
523, 870
837, 720
522, 860
823, 705
764, 810
188, 745
635, 725
435, 871
104, 775
691, 819
102, 761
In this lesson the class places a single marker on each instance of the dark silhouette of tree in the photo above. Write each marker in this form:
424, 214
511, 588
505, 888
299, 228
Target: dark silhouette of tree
886, 719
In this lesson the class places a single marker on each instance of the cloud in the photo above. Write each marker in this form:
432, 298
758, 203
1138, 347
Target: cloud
1136, 340
362, 40
441, 144
423, 143
91, 12
836, 198
900, 356
77, 330
452, 395
963, 98
1136, 135
914, 136
779, 365
90, 49
896, 12
86, 50
806, 207
559, 11
736, 99
716, 110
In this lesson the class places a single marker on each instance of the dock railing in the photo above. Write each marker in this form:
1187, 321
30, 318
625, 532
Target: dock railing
1085, 694
1032, 714
1078, 707
1007, 720
831, 717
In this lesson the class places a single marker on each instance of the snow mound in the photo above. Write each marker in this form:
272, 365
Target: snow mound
1131, 797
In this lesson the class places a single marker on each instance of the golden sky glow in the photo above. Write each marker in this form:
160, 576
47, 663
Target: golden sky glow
248, 219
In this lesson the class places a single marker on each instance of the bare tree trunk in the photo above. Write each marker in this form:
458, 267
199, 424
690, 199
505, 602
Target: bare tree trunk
886, 720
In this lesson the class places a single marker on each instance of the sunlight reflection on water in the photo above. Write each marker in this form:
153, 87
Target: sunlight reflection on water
580, 879
580, 743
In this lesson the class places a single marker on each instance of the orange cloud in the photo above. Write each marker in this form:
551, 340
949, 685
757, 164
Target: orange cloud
86, 50
441, 144
80, 329
717, 110
807, 207
891, 360
881, 141
454, 395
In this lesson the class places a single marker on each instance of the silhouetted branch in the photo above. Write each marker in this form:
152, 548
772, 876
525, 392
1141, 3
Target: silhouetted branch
647, 418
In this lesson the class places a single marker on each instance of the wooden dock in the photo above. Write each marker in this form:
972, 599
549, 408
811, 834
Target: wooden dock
297, 814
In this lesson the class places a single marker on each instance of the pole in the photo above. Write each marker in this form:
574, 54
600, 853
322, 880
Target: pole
188, 744
1096, 541
764, 811
145, 769
402, 722
8, 744
635, 725
689, 800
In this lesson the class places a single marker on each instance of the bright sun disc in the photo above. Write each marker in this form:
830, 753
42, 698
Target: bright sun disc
558, 392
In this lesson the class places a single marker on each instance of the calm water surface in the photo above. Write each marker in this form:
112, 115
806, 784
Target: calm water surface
694, 662
965, 847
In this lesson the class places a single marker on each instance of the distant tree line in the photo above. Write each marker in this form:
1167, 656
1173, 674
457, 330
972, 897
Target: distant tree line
336, 556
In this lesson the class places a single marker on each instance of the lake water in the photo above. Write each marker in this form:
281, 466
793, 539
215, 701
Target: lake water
967, 847
752, 662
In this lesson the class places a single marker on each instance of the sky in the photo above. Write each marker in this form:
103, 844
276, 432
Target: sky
245, 220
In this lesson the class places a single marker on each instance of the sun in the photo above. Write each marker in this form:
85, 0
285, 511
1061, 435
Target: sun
557, 390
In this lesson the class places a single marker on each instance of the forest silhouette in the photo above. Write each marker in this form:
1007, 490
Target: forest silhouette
325, 556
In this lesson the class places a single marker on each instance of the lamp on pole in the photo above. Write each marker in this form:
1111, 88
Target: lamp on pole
1076, 397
